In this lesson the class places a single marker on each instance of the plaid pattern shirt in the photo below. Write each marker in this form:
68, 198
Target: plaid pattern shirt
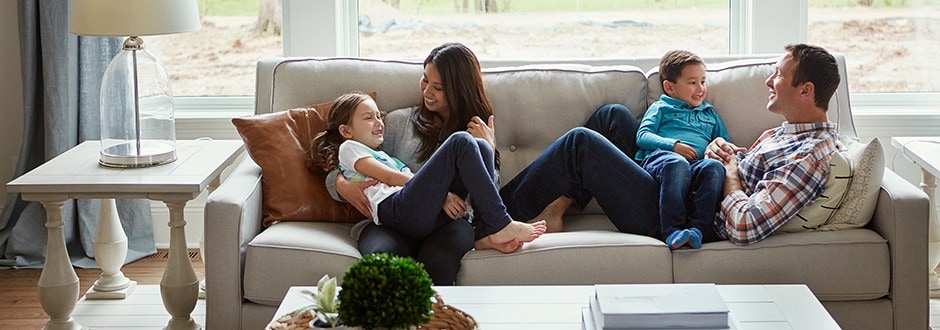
785, 170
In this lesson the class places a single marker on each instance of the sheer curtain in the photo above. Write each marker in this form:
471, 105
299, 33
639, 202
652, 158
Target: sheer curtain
61, 82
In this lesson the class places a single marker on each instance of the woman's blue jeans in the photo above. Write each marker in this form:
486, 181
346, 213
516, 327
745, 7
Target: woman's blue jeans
595, 161
689, 193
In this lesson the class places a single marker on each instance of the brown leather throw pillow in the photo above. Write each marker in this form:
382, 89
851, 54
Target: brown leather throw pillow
278, 143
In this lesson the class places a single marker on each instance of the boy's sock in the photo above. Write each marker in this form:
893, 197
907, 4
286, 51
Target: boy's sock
695, 238
677, 239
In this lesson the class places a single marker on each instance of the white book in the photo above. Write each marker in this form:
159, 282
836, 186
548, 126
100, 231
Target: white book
658, 306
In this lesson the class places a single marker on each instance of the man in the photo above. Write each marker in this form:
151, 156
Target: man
787, 167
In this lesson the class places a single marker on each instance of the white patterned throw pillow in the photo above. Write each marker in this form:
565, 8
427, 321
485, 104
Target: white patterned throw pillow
825, 206
868, 166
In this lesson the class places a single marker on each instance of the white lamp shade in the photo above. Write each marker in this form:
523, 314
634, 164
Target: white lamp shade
133, 17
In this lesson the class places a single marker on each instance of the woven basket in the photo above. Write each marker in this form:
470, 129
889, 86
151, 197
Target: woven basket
448, 317
287, 322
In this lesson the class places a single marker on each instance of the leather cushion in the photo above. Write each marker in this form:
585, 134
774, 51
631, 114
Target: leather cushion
280, 144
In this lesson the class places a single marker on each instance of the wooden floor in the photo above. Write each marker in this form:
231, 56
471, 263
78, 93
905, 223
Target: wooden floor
19, 296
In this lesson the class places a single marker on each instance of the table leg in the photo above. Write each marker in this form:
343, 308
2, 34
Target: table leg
179, 286
110, 252
929, 185
58, 283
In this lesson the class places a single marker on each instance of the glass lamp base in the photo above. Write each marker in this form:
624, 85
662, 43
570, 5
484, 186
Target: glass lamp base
126, 155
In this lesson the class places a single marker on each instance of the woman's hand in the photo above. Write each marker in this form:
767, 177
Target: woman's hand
487, 131
352, 192
454, 206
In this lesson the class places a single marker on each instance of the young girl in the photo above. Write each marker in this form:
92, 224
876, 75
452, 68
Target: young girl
416, 205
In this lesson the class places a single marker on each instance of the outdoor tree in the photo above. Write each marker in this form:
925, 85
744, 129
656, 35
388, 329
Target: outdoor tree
269, 17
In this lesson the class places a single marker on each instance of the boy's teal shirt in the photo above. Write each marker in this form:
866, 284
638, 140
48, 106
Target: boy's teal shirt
669, 120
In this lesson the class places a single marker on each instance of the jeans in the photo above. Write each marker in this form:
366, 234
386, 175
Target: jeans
689, 192
591, 162
440, 252
462, 160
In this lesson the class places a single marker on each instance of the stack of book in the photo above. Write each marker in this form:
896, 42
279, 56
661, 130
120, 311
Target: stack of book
655, 306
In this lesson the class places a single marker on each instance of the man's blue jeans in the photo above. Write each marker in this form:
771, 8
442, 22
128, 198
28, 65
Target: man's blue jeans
689, 192
591, 162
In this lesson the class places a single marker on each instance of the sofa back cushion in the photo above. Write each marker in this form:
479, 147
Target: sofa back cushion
534, 105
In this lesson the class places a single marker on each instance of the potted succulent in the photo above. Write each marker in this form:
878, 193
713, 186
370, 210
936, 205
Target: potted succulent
325, 305
385, 291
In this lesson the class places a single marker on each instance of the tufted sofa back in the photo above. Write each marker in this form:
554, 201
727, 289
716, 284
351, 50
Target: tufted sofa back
536, 101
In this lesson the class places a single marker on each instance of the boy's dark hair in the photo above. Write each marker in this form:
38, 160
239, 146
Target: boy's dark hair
672, 63
814, 64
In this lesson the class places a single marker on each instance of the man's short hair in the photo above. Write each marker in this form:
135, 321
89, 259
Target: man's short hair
672, 63
814, 64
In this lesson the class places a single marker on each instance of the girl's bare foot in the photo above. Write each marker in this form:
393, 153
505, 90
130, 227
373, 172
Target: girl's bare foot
515, 230
553, 214
486, 244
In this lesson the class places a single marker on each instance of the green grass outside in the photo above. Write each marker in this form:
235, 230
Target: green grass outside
250, 7
228, 7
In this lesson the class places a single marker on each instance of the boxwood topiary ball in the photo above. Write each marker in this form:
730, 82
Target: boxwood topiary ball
382, 290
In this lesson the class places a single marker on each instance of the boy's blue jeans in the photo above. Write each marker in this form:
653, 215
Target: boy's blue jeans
591, 162
689, 192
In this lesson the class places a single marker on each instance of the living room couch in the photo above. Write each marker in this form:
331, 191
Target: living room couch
874, 277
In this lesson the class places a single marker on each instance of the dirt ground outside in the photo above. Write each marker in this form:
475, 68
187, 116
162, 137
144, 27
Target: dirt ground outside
886, 49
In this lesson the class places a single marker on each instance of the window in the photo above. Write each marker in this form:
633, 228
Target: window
219, 59
889, 44
886, 41
543, 29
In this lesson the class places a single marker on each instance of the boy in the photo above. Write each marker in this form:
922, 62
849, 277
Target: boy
672, 138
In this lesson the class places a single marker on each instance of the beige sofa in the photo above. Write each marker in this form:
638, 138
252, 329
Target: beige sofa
868, 278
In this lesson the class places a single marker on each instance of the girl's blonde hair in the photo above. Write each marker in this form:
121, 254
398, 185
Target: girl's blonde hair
325, 155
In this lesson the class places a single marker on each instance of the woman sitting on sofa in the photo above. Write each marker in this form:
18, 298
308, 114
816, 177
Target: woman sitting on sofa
564, 174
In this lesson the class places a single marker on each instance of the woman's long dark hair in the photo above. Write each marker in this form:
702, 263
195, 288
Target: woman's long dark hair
463, 88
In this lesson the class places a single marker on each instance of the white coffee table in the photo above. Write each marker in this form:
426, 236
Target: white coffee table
764, 307
925, 153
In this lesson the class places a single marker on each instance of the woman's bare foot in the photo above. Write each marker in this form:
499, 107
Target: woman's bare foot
486, 244
553, 214
515, 230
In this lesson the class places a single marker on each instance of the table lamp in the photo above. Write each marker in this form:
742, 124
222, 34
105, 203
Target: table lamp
137, 120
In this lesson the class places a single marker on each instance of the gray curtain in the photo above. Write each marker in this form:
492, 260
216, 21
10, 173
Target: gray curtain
61, 82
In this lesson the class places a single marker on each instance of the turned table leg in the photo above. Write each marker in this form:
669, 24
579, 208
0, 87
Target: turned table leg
58, 283
179, 286
110, 252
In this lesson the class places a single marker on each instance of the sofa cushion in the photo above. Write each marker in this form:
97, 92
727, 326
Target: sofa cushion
296, 253
279, 143
536, 104
868, 167
836, 265
588, 243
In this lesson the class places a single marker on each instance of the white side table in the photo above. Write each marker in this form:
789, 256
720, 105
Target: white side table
925, 153
77, 174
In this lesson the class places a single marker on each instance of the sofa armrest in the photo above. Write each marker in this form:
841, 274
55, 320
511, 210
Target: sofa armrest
233, 216
901, 218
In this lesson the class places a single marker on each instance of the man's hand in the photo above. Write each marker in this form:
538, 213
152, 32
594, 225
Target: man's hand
732, 179
454, 206
487, 131
352, 192
723, 150
684, 150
